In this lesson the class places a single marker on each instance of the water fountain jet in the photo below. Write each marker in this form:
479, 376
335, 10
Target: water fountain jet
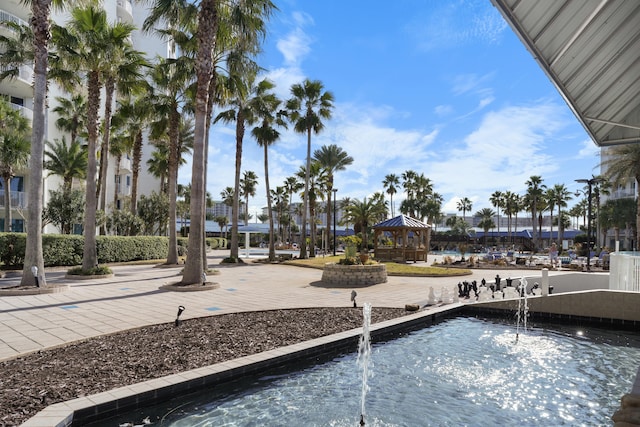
364, 357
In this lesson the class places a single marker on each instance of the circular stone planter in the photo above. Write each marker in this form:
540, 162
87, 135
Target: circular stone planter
177, 287
22, 291
354, 275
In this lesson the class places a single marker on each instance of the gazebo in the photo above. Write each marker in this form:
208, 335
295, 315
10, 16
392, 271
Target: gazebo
409, 239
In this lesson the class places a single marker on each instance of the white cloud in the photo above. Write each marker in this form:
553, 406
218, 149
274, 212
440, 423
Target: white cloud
588, 149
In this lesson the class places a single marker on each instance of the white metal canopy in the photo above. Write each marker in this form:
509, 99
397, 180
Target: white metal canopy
590, 49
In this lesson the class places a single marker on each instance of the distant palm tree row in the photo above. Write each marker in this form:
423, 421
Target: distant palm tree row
423, 203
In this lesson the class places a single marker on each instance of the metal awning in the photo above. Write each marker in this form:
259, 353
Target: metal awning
590, 49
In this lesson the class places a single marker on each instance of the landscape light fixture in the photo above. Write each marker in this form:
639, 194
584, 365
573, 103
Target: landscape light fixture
590, 183
354, 294
180, 310
34, 271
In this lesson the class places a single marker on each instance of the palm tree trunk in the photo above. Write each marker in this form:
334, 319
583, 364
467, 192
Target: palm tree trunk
305, 202
236, 187
135, 171
207, 29
272, 248
172, 256
90, 254
40, 10
101, 191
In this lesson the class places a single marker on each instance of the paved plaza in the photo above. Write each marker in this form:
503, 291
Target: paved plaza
132, 298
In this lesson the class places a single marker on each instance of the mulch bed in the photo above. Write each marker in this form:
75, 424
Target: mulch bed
30, 383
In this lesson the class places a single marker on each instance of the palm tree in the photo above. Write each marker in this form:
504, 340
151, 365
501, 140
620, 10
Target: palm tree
464, 205
40, 13
84, 46
67, 161
266, 112
134, 113
391, 183
486, 221
509, 208
292, 185
248, 185
14, 151
307, 107
72, 115
171, 79
561, 197
362, 214
123, 74
497, 199
408, 182
535, 189
332, 159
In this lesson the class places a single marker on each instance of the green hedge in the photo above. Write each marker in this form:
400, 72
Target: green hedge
66, 250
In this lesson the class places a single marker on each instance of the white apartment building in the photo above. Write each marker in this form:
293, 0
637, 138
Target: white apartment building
19, 92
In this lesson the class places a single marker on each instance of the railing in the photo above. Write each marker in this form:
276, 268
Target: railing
6, 16
25, 72
18, 199
26, 112
624, 272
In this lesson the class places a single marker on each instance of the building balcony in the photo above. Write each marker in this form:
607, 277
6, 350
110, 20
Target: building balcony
6, 16
125, 11
21, 86
26, 112
123, 190
18, 199
125, 166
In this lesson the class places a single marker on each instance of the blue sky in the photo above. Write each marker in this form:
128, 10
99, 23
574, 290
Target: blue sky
444, 88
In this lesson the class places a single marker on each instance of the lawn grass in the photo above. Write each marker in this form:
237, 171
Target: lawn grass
393, 268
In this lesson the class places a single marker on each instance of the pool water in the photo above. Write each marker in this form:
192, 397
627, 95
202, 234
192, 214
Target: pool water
461, 372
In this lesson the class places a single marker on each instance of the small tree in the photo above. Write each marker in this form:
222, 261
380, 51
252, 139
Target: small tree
122, 222
154, 213
64, 209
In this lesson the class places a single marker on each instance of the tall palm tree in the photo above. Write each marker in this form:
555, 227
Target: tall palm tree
134, 113
549, 202
248, 185
84, 46
124, 75
267, 113
408, 182
292, 185
464, 205
309, 104
332, 159
245, 94
497, 200
391, 183
40, 13
14, 151
171, 79
561, 197
535, 191
509, 206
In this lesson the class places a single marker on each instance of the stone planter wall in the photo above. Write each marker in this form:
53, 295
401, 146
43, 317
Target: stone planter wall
354, 275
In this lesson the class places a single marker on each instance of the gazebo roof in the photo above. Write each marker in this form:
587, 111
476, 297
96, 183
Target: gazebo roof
402, 221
